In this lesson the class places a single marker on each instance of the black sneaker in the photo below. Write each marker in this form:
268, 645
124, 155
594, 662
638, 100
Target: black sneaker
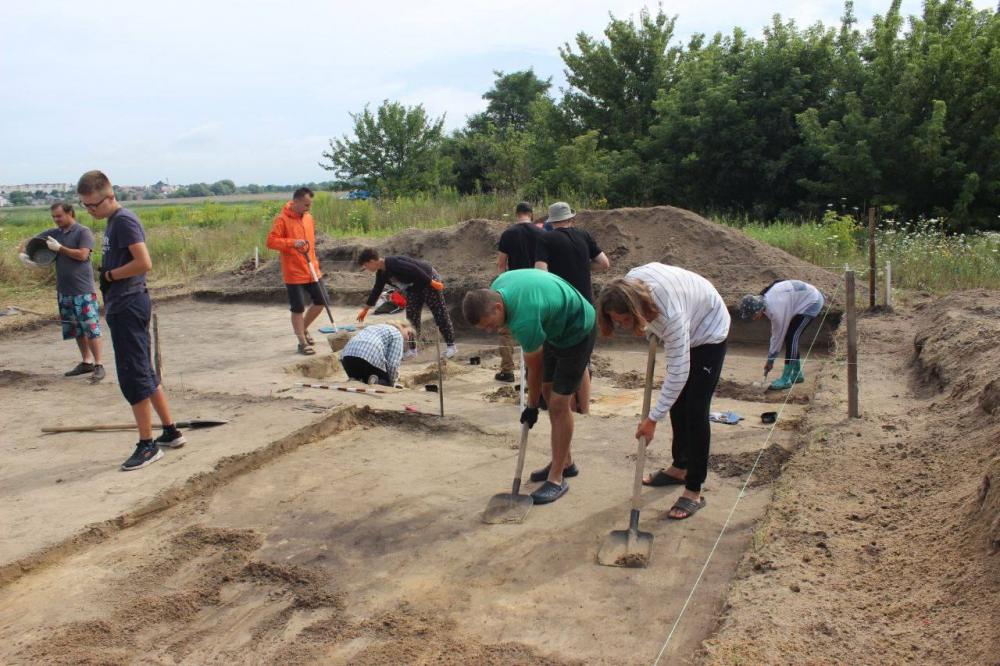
549, 492
146, 453
80, 369
171, 438
504, 376
99, 374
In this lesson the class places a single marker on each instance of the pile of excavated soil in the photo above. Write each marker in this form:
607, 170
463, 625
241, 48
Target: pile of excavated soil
956, 353
882, 544
465, 256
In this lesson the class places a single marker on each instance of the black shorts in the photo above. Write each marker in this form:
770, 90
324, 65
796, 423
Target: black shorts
297, 295
564, 366
129, 328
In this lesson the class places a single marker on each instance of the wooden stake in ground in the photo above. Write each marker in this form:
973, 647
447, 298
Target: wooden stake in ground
887, 294
872, 270
157, 358
852, 349
437, 345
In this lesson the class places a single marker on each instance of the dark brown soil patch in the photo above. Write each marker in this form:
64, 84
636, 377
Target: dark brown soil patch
727, 388
739, 464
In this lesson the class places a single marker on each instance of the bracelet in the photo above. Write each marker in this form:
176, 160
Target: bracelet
108, 276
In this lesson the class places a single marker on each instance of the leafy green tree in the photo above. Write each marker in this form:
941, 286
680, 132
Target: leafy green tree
19, 198
613, 84
221, 187
510, 99
396, 150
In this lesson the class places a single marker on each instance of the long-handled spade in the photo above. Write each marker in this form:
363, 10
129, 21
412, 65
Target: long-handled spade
511, 507
322, 288
632, 548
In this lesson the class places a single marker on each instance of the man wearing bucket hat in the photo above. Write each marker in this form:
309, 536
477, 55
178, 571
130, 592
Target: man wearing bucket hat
571, 254
70, 244
790, 305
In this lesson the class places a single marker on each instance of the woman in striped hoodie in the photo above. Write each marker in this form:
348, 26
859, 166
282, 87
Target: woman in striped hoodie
687, 314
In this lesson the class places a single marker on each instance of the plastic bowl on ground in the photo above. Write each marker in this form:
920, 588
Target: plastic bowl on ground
769, 417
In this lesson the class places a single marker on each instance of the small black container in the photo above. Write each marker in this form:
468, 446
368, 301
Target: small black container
433, 388
769, 417
474, 360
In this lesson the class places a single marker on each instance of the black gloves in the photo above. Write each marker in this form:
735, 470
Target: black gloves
530, 416
103, 279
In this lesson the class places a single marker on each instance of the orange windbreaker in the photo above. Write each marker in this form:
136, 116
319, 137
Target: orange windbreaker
289, 227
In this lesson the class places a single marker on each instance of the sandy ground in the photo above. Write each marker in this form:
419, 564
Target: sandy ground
325, 527
882, 544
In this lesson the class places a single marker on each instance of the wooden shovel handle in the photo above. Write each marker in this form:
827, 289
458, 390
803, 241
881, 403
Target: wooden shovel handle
640, 456
95, 428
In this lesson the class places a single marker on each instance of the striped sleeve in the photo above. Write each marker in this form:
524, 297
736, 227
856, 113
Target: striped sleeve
677, 349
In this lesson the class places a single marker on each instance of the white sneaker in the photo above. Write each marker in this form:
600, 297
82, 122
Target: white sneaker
450, 351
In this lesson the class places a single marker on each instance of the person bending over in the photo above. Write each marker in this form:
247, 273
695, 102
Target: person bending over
374, 353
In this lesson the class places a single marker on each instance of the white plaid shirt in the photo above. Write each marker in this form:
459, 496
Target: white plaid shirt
381, 345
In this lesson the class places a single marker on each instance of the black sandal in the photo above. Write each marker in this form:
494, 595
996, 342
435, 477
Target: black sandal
306, 350
661, 478
688, 506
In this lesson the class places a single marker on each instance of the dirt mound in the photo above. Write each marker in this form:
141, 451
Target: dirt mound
768, 466
955, 353
727, 388
465, 255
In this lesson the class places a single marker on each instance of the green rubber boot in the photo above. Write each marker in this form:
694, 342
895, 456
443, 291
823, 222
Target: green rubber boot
797, 373
785, 381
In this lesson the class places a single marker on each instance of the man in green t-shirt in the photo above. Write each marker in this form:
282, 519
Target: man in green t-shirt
554, 325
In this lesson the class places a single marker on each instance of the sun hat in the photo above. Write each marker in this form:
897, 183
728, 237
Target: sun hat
750, 305
39, 252
560, 212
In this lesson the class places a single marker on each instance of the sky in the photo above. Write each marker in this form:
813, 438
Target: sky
191, 91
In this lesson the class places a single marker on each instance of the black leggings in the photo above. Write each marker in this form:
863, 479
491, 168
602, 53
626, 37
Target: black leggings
415, 299
793, 336
360, 369
689, 415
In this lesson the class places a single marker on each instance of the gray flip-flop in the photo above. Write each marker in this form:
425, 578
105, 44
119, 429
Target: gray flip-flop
687, 505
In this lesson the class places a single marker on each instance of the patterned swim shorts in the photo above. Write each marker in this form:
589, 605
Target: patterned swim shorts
80, 316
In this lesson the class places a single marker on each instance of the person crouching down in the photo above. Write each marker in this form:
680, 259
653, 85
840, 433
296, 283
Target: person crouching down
374, 354
421, 283
687, 314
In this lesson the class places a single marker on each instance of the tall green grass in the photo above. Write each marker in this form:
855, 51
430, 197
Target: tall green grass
187, 241
922, 254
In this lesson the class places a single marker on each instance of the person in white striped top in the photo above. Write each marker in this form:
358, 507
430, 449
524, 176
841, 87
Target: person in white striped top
688, 315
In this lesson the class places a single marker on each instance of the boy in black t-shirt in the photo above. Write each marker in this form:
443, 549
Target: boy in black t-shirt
571, 254
515, 250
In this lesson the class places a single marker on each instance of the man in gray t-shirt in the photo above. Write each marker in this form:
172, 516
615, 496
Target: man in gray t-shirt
78, 307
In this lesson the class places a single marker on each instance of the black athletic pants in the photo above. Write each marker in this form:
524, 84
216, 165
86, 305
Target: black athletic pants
360, 369
689, 415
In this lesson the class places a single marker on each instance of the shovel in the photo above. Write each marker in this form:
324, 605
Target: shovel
511, 507
632, 548
322, 287
194, 424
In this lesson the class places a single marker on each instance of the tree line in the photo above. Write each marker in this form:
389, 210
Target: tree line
904, 116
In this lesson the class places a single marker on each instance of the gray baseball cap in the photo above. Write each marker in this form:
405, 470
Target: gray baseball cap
560, 212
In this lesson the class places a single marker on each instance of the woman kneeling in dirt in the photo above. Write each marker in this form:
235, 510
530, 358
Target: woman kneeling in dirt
420, 282
790, 305
374, 353
687, 314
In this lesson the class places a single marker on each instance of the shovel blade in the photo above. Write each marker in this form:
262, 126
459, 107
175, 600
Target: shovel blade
507, 508
623, 548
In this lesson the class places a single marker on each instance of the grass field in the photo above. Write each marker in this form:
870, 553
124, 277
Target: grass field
191, 240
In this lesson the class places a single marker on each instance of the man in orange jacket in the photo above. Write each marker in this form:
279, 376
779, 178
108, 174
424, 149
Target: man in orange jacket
293, 234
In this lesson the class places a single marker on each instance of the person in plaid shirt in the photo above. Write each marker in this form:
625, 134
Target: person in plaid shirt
374, 354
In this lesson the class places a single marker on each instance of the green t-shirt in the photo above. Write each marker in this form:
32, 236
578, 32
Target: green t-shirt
542, 307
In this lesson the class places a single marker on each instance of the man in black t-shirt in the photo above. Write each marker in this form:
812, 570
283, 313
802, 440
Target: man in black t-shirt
571, 254
515, 250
